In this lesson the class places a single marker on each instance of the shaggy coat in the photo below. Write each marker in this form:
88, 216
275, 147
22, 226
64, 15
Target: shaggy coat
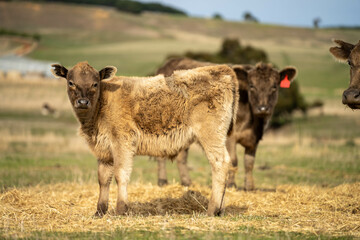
159, 116
258, 88
350, 53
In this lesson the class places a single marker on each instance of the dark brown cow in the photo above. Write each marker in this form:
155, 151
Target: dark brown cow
350, 53
258, 88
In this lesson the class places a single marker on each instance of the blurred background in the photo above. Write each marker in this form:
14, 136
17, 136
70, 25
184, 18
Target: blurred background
313, 139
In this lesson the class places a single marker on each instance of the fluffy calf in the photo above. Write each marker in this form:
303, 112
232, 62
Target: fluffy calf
158, 116
258, 88
350, 53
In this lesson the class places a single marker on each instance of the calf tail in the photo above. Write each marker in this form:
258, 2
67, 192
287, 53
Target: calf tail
235, 104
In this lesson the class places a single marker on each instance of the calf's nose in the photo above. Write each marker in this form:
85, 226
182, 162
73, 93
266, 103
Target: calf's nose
351, 96
83, 102
263, 109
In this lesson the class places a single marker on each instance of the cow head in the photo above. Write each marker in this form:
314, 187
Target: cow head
347, 52
83, 84
262, 84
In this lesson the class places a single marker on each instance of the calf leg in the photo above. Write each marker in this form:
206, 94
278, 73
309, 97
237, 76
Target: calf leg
231, 147
105, 173
181, 160
249, 160
162, 176
220, 162
123, 161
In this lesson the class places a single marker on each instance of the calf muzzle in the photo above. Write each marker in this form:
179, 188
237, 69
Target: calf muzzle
351, 97
262, 110
82, 103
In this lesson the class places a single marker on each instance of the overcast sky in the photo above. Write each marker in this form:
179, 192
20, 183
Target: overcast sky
283, 12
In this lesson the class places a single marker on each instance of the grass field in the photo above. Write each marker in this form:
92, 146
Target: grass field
307, 173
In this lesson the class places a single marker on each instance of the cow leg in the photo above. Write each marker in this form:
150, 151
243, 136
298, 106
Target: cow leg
220, 163
249, 160
181, 160
105, 173
231, 147
123, 161
162, 176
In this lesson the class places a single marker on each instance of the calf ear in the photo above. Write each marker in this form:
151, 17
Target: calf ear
343, 51
290, 72
59, 70
241, 72
107, 72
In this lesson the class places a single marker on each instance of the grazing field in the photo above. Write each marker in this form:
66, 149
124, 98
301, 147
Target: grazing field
307, 174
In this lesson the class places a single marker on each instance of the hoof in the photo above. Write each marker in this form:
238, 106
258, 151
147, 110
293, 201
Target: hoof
249, 188
121, 208
186, 183
249, 184
101, 210
99, 214
231, 185
214, 211
162, 182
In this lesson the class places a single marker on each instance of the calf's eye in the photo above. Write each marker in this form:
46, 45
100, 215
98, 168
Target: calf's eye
95, 85
71, 84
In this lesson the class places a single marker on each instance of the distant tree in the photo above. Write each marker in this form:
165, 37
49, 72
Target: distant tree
91, 2
129, 6
229, 47
231, 52
8, 32
316, 22
134, 7
248, 17
157, 7
217, 16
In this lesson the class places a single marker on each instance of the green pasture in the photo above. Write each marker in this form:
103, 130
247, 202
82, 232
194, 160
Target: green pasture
318, 153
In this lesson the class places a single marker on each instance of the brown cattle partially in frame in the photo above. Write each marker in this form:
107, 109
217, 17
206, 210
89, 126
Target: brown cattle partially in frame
350, 53
157, 116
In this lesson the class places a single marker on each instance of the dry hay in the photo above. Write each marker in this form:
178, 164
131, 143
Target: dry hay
69, 208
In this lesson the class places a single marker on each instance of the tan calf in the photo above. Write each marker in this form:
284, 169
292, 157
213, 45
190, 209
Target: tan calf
158, 116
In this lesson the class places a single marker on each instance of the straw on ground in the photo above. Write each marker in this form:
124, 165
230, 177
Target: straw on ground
69, 207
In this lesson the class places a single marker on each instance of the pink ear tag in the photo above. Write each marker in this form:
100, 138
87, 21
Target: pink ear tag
285, 83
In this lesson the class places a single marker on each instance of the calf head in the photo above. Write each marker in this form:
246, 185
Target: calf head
347, 52
262, 83
83, 84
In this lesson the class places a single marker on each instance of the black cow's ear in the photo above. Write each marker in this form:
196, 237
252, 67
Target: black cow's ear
241, 72
342, 52
59, 70
290, 72
107, 72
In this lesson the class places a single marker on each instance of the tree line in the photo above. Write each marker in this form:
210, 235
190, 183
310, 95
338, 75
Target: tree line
134, 7
8, 32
